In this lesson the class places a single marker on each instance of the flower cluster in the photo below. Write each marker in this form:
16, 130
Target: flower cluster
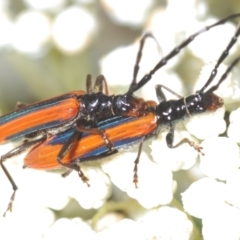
47, 206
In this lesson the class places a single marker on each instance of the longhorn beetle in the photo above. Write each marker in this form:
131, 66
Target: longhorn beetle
83, 110
130, 130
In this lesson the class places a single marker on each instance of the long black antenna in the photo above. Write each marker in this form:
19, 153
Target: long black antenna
224, 76
220, 60
135, 86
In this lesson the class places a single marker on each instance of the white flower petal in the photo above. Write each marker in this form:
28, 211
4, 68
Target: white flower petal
221, 157
202, 47
93, 196
222, 224
35, 185
155, 184
206, 125
36, 221
203, 196
167, 223
182, 157
232, 189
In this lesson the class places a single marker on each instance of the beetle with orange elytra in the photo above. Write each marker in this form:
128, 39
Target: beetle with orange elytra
82, 111
126, 131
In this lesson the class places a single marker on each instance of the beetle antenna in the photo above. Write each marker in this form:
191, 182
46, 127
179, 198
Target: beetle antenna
220, 60
135, 86
224, 76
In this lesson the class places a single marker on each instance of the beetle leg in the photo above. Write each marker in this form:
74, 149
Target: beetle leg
161, 96
136, 162
97, 131
170, 139
74, 165
98, 86
79, 130
10, 154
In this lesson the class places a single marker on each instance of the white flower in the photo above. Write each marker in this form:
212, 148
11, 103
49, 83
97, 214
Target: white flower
182, 157
208, 46
155, 183
167, 223
206, 125
163, 223
221, 157
222, 225
39, 189
36, 219
206, 199
203, 196
93, 196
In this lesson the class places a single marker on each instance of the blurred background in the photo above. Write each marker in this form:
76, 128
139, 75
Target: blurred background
49, 46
